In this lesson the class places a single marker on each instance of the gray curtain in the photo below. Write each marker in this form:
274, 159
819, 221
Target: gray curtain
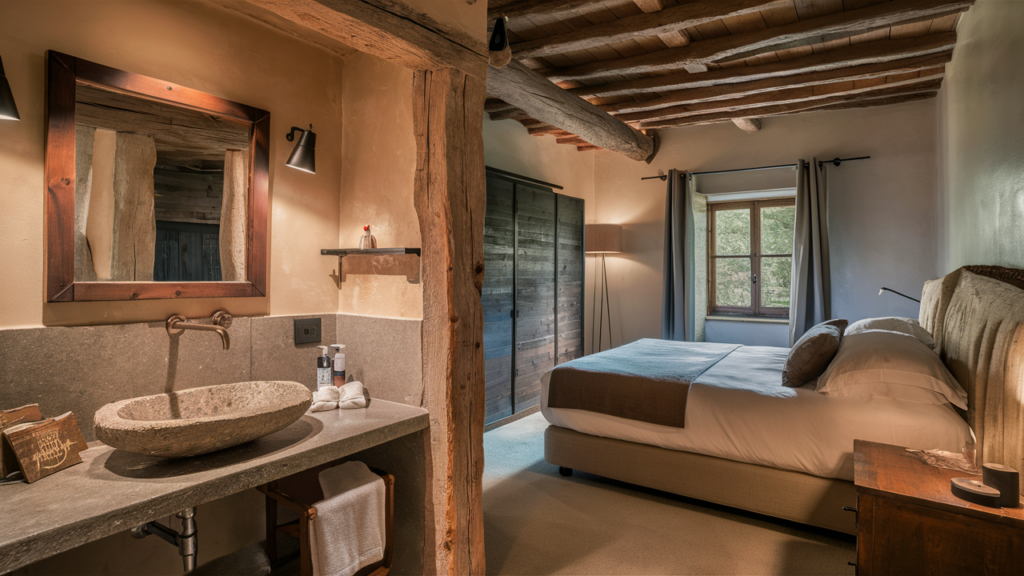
678, 302
810, 289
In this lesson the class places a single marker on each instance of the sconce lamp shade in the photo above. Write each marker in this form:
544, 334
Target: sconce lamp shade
603, 238
8, 111
304, 156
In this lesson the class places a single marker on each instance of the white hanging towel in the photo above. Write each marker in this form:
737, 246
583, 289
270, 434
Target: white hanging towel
348, 530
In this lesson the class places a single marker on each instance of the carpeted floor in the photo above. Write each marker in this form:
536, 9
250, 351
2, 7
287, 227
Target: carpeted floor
537, 522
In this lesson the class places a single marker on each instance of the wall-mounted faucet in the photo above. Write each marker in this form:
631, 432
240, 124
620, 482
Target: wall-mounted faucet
221, 322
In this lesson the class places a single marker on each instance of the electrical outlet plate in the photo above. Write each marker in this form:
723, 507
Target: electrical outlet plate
307, 330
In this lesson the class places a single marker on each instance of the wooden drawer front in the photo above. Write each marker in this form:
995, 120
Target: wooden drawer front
898, 538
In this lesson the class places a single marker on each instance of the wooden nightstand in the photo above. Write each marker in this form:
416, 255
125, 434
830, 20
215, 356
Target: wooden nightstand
909, 522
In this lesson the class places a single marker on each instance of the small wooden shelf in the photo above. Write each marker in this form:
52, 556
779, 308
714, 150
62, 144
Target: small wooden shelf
378, 261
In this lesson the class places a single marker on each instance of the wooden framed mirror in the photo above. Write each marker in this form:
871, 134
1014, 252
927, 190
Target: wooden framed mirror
153, 190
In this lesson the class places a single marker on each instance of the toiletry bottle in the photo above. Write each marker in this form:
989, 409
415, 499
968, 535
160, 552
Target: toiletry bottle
324, 373
339, 365
367, 241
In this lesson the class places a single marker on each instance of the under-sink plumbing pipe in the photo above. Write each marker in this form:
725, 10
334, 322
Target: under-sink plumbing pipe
187, 540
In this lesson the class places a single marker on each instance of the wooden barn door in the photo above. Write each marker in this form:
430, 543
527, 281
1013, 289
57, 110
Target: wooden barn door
532, 290
535, 292
498, 297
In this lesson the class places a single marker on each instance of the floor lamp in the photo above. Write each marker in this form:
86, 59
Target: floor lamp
602, 239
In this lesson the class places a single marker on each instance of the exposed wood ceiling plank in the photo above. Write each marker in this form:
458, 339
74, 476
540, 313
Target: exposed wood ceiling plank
747, 124
860, 54
540, 99
805, 32
773, 85
671, 39
792, 107
648, 24
520, 8
792, 95
388, 29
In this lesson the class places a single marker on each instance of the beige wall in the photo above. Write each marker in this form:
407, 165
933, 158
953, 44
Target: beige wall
203, 47
378, 169
881, 212
981, 140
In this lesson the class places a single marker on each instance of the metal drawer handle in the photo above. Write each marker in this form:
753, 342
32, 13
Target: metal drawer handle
848, 509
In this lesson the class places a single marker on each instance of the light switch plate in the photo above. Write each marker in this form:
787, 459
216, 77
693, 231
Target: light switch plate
307, 330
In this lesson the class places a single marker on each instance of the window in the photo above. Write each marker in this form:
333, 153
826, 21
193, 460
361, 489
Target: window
750, 250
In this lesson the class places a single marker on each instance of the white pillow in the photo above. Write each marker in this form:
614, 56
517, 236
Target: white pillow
908, 326
886, 364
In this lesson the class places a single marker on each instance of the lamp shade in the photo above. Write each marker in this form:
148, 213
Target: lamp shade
304, 156
8, 111
603, 238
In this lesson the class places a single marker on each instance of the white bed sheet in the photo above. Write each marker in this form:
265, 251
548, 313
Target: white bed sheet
739, 410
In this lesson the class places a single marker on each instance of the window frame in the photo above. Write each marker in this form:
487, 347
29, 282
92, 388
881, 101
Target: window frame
755, 257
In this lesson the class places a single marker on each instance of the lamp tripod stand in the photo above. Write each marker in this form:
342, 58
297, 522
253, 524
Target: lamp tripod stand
605, 303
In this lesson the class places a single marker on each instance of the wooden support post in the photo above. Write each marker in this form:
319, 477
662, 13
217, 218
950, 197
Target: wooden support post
85, 136
450, 198
134, 233
233, 217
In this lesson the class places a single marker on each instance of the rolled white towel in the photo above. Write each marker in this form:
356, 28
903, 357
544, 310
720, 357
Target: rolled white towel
352, 396
325, 398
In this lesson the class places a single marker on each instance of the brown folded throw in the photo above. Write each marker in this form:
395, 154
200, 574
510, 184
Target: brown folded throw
647, 380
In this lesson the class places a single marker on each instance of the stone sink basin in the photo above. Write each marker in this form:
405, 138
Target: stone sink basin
201, 420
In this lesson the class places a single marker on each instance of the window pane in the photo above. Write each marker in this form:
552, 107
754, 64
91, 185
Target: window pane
732, 282
732, 232
777, 230
775, 273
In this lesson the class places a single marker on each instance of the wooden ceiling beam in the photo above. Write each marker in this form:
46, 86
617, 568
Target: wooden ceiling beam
520, 8
876, 52
388, 29
778, 97
930, 86
697, 55
671, 39
774, 85
527, 90
668, 20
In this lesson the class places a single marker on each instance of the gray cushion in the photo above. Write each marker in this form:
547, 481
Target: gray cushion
811, 354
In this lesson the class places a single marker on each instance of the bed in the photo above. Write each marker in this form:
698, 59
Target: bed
752, 444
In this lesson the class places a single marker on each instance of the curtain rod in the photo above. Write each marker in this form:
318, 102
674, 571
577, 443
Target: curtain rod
835, 161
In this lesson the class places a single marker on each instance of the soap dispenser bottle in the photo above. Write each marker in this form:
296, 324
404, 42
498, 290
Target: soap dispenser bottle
339, 364
324, 372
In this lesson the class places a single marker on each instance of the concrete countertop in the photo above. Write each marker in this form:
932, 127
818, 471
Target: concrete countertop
112, 490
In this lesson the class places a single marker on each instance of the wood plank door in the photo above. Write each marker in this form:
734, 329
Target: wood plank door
535, 292
498, 297
570, 278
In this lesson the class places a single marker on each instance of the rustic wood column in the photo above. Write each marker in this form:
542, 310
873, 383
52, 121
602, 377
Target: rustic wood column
134, 241
233, 218
450, 197
85, 136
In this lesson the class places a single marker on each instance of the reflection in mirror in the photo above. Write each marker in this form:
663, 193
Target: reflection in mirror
161, 191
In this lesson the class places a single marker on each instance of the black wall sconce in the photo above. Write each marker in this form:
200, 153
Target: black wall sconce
8, 111
304, 156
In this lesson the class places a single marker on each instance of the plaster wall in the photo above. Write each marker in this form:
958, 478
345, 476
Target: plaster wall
881, 211
980, 150
201, 46
377, 174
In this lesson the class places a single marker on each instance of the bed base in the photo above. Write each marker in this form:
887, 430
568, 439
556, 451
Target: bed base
780, 493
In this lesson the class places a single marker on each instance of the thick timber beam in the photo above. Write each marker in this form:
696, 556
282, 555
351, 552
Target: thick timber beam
540, 99
388, 29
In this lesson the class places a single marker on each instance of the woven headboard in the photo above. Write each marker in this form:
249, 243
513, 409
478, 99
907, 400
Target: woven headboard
978, 324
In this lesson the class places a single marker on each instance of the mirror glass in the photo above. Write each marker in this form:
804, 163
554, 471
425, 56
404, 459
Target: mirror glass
161, 191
